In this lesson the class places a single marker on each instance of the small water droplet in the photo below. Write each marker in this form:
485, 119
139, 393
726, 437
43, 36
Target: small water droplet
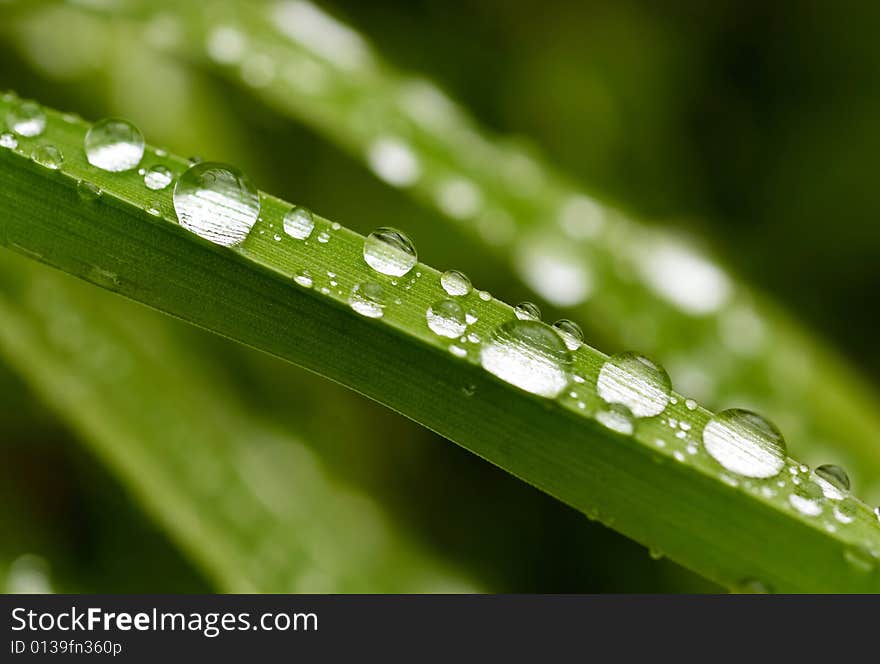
807, 499
114, 145
157, 177
455, 283
8, 140
446, 319
745, 443
485, 296
216, 202
617, 417
88, 191
390, 252
304, 279
690, 404
299, 223
458, 351
471, 317
833, 481
368, 299
636, 382
527, 311
26, 118
48, 156
529, 355
751, 586
845, 511
323, 237
154, 208
860, 559
570, 332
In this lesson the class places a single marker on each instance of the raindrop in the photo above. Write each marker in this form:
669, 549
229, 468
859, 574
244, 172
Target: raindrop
745, 443
368, 299
529, 355
807, 499
114, 145
527, 311
26, 118
304, 279
390, 252
216, 202
833, 481
87, 191
8, 140
636, 382
570, 332
48, 156
446, 318
616, 417
298, 223
455, 283
860, 559
157, 177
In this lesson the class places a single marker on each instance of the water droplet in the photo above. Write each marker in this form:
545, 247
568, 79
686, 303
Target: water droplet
114, 145
745, 443
636, 382
88, 191
751, 587
368, 299
807, 499
877, 513
570, 332
860, 559
48, 156
527, 311
471, 317
455, 283
845, 511
484, 296
157, 177
323, 237
216, 202
8, 140
690, 404
655, 553
833, 481
299, 223
304, 279
458, 351
529, 355
446, 318
617, 417
26, 118
154, 208
390, 252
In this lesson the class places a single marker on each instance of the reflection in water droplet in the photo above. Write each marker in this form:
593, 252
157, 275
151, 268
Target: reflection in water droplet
8, 141
368, 299
745, 443
216, 202
833, 481
807, 499
446, 319
527, 311
299, 223
636, 382
616, 417
114, 145
390, 252
48, 156
845, 511
529, 355
26, 118
455, 283
570, 332
157, 177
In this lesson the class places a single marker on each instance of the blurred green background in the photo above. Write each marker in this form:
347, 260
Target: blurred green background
753, 125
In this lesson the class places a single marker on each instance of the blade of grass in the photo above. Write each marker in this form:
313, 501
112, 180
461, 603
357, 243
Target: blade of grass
644, 287
672, 496
248, 503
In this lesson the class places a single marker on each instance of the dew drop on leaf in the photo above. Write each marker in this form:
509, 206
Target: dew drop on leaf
48, 156
745, 443
527, 311
636, 382
529, 355
298, 223
616, 417
368, 299
388, 251
807, 499
304, 279
8, 141
833, 481
114, 145
570, 332
455, 283
26, 118
157, 177
216, 202
88, 191
446, 319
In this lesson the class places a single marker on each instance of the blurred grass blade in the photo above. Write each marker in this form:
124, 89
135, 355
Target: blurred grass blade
249, 504
291, 298
639, 287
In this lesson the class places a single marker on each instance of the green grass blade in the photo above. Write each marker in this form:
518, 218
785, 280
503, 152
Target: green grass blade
656, 485
249, 504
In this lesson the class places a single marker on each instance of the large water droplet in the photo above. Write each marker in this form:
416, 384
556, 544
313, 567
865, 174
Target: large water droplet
527, 311
529, 355
833, 481
636, 382
745, 443
114, 145
157, 177
216, 202
455, 283
368, 299
446, 318
571, 333
8, 141
299, 223
26, 118
48, 156
390, 252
